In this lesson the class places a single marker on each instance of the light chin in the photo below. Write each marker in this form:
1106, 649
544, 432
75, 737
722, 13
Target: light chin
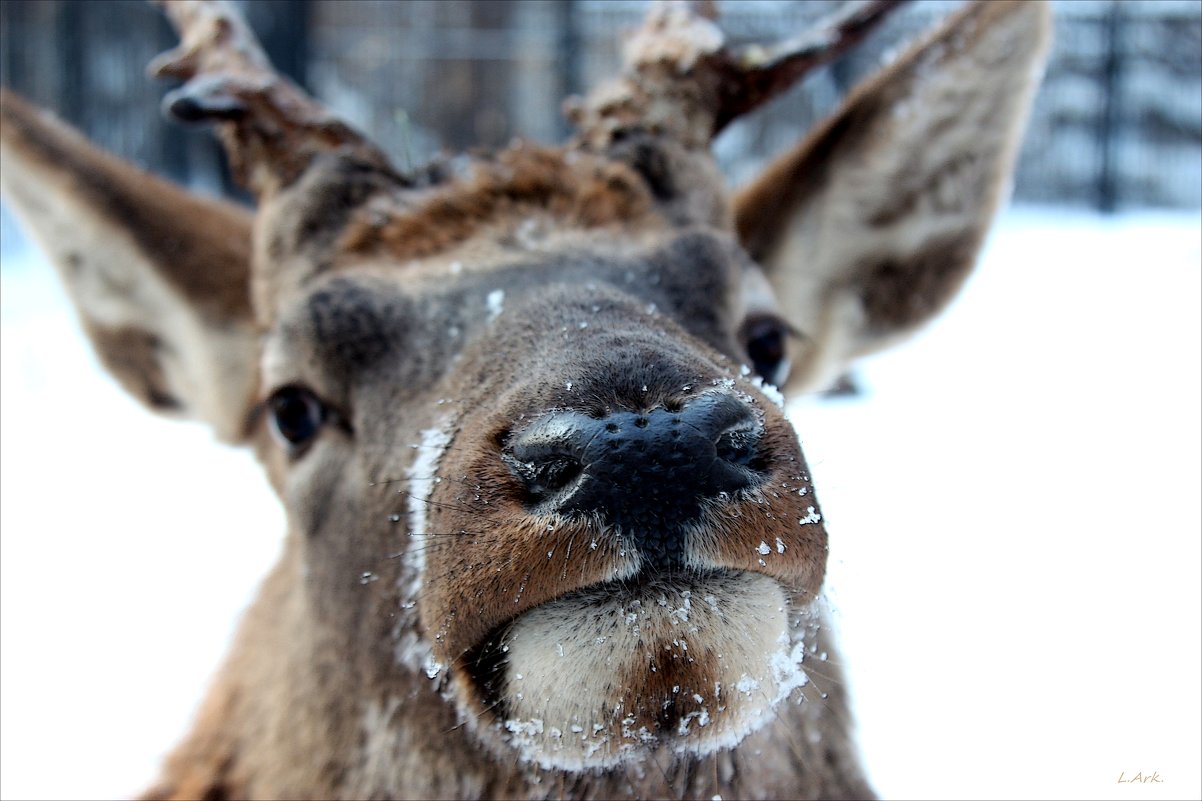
693, 664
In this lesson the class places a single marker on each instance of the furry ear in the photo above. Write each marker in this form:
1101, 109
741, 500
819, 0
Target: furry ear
160, 278
870, 226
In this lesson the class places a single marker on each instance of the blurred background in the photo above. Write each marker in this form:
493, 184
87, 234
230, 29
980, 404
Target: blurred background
1014, 496
1117, 125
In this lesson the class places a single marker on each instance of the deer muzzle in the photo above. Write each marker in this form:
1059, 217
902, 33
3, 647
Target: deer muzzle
648, 474
632, 516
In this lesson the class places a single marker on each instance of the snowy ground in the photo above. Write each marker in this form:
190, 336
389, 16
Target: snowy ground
1013, 502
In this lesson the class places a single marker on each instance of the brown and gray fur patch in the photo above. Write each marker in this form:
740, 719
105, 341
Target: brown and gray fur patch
869, 226
159, 276
208, 266
578, 190
133, 356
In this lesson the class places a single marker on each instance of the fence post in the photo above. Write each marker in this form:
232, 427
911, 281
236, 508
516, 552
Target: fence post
1110, 119
569, 52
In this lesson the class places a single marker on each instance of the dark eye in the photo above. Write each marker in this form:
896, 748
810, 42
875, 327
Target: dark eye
766, 343
296, 415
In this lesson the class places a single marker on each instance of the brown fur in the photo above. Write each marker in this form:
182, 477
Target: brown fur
435, 628
585, 192
132, 356
901, 295
932, 165
159, 276
212, 276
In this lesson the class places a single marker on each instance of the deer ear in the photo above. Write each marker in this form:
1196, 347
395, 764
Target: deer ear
870, 226
160, 278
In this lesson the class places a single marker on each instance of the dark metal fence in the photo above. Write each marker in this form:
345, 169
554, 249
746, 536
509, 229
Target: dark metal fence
1118, 123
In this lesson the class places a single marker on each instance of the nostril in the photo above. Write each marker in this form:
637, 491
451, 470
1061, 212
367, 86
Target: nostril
546, 457
739, 445
554, 474
545, 475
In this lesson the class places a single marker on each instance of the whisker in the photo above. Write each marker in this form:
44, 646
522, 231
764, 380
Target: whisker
437, 504
796, 749
385, 482
477, 716
662, 772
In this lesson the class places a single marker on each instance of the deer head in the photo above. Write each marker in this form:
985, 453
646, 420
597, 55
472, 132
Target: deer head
550, 531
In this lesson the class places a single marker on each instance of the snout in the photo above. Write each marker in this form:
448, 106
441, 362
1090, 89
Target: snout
632, 513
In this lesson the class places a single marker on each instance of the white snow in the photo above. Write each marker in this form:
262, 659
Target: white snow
1013, 507
129, 545
422, 475
496, 303
1014, 516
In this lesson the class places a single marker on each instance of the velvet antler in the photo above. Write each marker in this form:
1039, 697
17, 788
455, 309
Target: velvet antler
271, 129
681, 79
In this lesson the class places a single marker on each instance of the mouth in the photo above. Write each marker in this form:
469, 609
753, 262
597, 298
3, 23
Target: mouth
601, 607
694, 660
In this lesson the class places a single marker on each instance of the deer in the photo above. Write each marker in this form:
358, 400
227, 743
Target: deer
550, 531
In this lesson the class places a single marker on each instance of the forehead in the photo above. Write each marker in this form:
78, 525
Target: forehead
357, 316
525, 204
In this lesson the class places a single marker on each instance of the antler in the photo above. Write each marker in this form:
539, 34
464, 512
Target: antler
271, 129
682, 80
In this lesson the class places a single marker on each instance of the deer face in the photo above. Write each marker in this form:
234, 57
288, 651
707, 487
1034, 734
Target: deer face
541, 492
549, 465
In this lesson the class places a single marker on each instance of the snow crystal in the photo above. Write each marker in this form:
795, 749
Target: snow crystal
770, 392
421, 475
702, 717
413, 651
496, 302
527, 727
747, 685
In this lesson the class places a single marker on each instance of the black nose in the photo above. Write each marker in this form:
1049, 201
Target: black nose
648, 473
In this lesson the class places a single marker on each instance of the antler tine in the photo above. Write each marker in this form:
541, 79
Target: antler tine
271, 129
683, 81
757, 74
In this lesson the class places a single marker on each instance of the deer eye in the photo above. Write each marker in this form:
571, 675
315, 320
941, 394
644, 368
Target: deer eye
765, 339
296, 416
